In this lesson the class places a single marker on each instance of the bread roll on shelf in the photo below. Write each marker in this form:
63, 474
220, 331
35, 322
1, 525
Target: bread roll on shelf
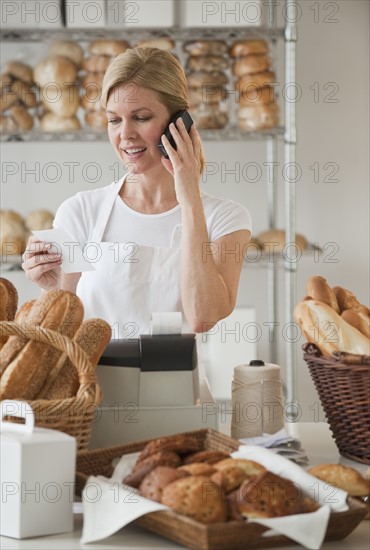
96, 63
69, 49
5, 80
7, 124
255, 63
162, 43
111, 48
257, 108
205, 47
20, 71
7, 99
39, 219
205, 68
25, 93
18, 98
13, 234
96, 119
22, 118
274, 240
241, 48
50, 122
63, 102
55, 70
258, 117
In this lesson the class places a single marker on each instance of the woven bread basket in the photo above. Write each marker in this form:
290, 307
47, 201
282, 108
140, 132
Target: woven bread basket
73, 415
343, 384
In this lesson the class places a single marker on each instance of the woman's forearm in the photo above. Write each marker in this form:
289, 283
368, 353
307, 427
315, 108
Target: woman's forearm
205, 297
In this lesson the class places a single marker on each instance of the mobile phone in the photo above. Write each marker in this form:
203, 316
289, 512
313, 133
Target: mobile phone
188, 121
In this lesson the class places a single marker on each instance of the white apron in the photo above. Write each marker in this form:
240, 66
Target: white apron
130, 281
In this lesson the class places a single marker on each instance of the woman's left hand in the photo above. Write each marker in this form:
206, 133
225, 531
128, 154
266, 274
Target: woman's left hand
184, 163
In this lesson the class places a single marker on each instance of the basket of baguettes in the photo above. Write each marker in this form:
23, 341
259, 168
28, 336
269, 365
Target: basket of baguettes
337, 328
48, 358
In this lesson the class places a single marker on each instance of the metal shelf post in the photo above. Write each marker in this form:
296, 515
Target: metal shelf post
290, 260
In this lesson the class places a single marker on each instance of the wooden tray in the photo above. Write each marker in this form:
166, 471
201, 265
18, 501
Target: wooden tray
217, 536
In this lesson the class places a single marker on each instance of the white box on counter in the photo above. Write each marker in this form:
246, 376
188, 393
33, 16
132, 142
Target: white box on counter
221, 13
82, 14
37, 473
42, 14
140, 13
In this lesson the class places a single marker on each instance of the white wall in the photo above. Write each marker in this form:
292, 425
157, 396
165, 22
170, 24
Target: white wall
332, 51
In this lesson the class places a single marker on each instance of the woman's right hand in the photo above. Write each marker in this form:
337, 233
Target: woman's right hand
42, 266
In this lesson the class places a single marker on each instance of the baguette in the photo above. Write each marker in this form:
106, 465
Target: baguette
321, 325
318, 288
345, 298
359, 318
8, 303
93, 337
13, 344
8, 300
24, 376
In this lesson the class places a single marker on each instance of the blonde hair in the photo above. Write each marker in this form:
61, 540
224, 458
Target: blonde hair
151, 68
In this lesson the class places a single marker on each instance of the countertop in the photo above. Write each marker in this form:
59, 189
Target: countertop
320, 447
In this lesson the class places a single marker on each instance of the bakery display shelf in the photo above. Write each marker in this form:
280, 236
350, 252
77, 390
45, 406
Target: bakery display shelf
260, 258
224, 134
175, 33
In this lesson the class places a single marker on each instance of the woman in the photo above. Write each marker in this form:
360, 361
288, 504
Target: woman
157, 241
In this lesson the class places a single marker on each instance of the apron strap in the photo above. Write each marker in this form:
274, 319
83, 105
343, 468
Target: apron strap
105, 211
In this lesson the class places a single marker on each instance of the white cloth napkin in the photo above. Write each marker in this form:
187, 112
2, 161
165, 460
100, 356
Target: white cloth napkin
306, 529
108, 505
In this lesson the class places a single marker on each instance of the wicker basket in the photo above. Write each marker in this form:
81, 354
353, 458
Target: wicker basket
198, 536
343, 385
73, 415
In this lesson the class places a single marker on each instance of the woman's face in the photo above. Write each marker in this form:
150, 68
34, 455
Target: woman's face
136, 121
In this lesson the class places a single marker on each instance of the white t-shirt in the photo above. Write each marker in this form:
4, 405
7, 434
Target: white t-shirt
78, 216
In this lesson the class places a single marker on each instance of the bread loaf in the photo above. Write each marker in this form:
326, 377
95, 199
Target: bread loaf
93, 337
22, 118
14, 344
359, 318
8, 300
56, 70
319, 290
241, 48
162, 43
205, 47
112, 48
50, 122
69, 49
63, 102
345, 298
197, 497
25, 93
251, 64
13, 234
39, 219
20, 71
343, 477
274, 240
321, 325
24, 374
